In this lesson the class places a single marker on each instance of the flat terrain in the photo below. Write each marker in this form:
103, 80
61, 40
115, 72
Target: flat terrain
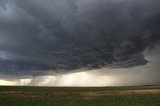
74, 96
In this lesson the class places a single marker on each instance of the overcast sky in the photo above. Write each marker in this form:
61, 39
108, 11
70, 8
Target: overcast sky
99, 39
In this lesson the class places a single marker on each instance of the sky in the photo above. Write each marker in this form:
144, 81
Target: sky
79, 42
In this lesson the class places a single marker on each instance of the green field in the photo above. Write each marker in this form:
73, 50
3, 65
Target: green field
66, 96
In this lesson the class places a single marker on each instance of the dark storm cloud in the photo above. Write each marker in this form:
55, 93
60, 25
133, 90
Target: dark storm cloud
72, 34
2, 4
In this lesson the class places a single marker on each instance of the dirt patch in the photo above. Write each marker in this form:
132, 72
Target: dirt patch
151, 91
5, 94
123, 92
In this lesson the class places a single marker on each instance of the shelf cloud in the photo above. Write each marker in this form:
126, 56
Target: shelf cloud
61, 38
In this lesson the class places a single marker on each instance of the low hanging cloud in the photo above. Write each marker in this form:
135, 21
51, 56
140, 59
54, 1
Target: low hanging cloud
140, 75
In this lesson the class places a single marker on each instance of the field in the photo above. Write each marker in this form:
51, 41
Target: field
66, 96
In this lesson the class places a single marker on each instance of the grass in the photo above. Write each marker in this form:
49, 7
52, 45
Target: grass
65, 96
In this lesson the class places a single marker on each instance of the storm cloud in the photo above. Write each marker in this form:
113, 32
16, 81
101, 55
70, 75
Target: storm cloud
39, 37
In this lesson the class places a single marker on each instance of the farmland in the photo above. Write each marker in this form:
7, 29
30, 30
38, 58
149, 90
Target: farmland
80, 96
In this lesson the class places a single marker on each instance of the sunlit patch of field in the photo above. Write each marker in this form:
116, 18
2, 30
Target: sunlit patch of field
92, 96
